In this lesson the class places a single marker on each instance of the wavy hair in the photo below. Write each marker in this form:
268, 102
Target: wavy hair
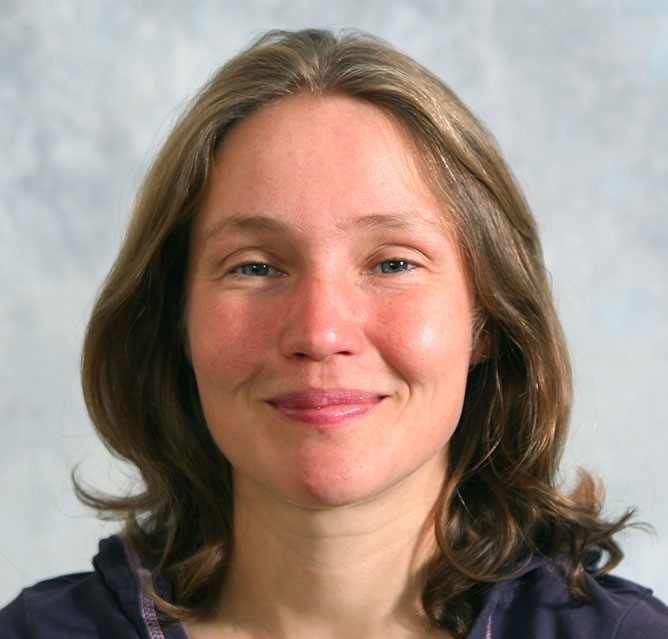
501, 503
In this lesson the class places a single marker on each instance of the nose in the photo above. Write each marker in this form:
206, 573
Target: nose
322, 320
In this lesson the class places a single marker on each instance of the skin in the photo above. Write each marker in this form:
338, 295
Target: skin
330, 329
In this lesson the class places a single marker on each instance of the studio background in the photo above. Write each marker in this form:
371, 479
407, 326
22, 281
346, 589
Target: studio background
576, 93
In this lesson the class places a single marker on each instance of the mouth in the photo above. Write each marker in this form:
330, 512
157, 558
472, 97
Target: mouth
322, 407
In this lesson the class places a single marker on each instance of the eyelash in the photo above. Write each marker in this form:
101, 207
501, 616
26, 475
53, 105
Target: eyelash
258, 269
262, 269
404, 265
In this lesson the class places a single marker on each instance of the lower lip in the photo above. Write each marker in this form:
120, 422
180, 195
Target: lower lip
329, 415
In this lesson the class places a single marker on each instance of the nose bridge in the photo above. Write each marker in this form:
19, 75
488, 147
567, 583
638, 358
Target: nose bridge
321, 319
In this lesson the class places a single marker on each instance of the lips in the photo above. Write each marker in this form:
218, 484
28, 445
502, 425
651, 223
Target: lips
322, 407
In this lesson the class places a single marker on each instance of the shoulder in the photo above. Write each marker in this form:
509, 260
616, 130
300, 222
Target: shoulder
536, 603
13, 620
110, 602
637, 613
55, 607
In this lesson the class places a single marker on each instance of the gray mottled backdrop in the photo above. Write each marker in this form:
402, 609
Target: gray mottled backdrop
575, 90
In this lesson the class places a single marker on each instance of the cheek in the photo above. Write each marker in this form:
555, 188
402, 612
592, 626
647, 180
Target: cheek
430, 335
226, 339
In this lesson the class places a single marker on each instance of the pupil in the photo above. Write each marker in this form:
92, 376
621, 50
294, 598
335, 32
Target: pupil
393, 265
256, 269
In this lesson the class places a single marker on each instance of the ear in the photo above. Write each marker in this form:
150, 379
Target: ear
482, 345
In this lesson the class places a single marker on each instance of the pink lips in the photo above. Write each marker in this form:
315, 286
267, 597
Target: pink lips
322, 407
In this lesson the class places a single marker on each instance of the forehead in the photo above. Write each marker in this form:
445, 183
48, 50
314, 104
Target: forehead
336, 156
352, 121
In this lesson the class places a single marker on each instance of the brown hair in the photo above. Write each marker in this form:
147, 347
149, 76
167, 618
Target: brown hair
500, 503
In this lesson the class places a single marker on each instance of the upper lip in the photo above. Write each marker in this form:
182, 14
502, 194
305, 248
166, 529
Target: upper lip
320, 397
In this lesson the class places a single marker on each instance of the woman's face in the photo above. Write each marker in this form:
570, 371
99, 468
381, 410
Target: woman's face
329, 314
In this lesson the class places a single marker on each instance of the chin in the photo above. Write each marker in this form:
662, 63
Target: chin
338, 489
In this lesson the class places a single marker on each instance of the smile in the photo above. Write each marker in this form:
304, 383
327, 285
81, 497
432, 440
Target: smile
322, 407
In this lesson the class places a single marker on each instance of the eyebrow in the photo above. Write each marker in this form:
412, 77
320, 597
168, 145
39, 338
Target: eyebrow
397, 221
400, 221
243, 223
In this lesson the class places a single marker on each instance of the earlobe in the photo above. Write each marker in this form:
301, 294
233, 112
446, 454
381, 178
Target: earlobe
479, 354
482, 347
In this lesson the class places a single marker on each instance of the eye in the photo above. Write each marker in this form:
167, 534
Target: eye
255, 269
395, 266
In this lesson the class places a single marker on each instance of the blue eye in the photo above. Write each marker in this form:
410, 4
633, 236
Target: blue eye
395, 266
255, 269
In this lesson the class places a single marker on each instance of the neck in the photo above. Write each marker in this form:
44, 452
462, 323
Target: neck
350, 571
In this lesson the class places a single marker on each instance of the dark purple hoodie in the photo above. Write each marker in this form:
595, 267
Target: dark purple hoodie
111, 603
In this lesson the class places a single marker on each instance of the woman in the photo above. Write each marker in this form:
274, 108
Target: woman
329, 346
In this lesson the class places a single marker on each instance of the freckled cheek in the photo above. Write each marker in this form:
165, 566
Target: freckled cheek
428, 338
432, 329
226, 340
